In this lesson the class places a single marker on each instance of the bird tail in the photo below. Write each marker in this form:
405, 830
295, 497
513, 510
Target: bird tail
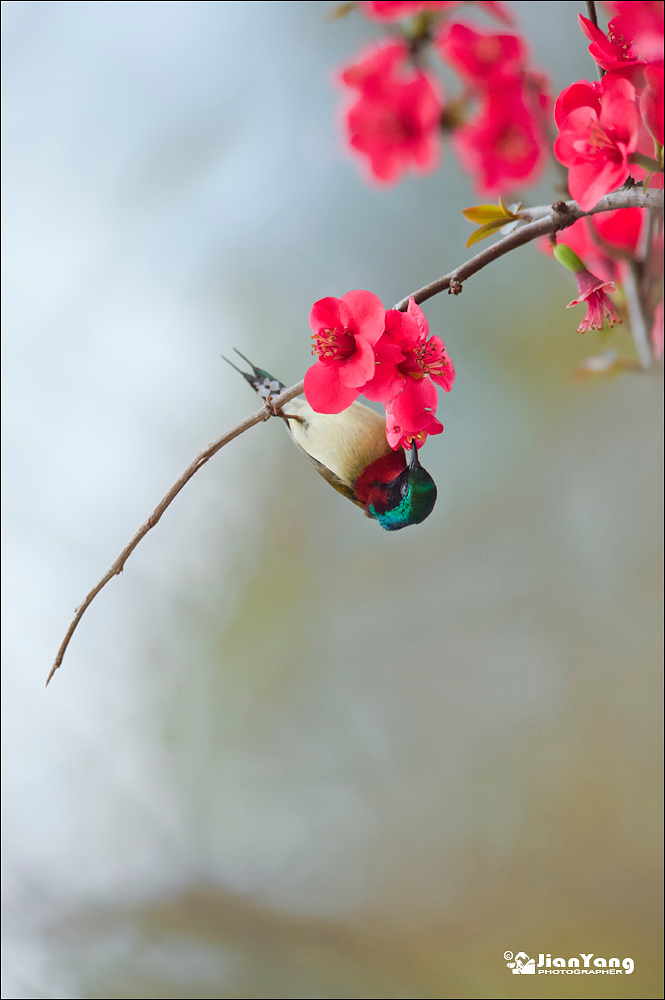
261, 381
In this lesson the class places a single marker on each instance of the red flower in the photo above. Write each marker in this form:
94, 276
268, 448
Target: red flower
598, 126
576, 95
395, 122
480, 56
345, 332
651, 102
388, 353
395, 10
378, 64
620, 230
407, 358
592, 290
641, 24
504, 146
406, 354
423, 355
415, 425
610, 51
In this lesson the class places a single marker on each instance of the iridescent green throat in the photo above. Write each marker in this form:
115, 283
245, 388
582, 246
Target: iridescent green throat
413, 495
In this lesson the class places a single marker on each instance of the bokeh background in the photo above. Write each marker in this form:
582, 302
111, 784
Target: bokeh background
290, 754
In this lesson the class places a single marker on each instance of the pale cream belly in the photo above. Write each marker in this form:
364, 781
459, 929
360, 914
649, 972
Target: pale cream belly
343, 443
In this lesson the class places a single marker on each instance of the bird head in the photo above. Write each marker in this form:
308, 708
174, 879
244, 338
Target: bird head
397, 494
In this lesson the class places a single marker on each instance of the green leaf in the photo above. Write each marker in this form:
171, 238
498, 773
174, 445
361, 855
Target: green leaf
510, 213
484, 213
485, 231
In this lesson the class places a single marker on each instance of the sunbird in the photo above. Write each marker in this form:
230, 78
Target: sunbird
351, 452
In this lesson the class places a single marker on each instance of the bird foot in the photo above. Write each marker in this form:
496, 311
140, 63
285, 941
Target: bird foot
277, 411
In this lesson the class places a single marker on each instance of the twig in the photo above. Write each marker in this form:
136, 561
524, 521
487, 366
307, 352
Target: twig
593, 17
636, 314
591, 11
539, 221
200, 460
547, 219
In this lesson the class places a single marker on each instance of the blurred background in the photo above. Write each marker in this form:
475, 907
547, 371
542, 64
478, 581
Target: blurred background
289, 754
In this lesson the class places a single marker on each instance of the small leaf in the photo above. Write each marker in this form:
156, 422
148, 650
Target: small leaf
491, 217
487, 230
510, 213
483, 213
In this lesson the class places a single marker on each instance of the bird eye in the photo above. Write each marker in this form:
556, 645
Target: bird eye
404, 489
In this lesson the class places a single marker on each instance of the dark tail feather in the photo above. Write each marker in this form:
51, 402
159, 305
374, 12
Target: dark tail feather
261, 381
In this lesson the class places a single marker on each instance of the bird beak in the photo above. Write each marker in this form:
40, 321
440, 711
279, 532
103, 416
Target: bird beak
414, 463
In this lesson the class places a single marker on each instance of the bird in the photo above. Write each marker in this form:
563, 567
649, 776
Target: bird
350, 450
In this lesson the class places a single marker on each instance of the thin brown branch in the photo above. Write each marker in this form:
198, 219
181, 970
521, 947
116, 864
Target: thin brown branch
192, 468
546, 220
591, 12
637, 312
540, 221
593, 17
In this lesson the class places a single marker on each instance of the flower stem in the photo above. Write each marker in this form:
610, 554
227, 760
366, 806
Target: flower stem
648, 162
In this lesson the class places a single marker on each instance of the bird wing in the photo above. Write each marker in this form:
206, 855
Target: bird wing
330, 477
339, 445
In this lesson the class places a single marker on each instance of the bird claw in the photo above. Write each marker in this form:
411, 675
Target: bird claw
277, 411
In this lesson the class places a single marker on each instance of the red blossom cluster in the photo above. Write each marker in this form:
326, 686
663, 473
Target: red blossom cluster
611, 130
610, 133
387, 355
398, 111
395, 121
608, 128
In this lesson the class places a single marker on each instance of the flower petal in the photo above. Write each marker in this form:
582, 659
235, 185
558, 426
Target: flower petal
324, 391
419, 317
588, 183
583, 92
329, 314
368, 313
359, 369
413, 407
387, 381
